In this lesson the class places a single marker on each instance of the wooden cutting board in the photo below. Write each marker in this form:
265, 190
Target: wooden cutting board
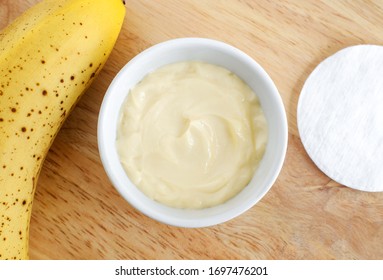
77, 213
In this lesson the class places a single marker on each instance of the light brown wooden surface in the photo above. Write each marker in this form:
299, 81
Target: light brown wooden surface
77, 213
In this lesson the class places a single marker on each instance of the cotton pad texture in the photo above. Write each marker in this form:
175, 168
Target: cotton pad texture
340, 117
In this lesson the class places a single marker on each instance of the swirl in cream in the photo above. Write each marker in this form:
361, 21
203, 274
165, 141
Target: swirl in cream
191, 135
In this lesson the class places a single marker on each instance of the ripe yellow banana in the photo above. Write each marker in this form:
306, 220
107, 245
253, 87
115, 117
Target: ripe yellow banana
48, 58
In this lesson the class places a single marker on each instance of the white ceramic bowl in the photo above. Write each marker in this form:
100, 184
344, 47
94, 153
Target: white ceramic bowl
214, 52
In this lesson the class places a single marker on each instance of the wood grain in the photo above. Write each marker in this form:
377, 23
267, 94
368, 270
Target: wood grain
77, 214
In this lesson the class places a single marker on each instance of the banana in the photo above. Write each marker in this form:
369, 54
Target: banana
48, 57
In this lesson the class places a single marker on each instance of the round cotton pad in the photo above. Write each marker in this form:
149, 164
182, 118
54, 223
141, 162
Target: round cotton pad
340, 117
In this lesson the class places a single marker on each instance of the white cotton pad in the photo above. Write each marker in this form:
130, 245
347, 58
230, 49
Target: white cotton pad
340, 117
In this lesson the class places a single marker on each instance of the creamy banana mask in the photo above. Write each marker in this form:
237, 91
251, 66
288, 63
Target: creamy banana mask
191, 135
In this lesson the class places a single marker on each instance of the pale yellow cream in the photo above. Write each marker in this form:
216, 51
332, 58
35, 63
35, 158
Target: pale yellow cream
191, 135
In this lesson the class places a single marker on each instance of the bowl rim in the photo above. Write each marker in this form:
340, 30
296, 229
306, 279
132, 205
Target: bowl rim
177, 220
